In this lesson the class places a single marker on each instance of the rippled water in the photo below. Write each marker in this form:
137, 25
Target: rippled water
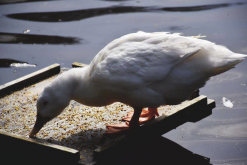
75, 30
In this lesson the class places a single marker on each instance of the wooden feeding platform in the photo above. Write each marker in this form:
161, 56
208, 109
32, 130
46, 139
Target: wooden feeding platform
77, 134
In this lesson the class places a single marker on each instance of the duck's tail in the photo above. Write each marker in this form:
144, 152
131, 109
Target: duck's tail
237, 56
229, 63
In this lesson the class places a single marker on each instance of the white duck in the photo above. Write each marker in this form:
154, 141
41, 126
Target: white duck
141, 70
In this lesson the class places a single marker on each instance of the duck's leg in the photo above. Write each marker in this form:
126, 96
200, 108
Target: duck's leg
145, 115
152, 113
123, 127
134, 122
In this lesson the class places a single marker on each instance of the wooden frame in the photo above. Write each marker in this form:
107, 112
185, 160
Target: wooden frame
29, 150
18, 149
29, 79
201, 108
78, 65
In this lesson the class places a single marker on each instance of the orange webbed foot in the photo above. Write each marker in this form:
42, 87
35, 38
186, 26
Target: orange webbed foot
117, 128
123, 127
145, 116
145, 113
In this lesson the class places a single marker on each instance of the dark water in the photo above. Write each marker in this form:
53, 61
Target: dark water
75, 30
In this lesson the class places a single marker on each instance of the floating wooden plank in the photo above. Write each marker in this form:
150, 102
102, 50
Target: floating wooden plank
29, 79
16, 149
194, 110
39, 152
77, 65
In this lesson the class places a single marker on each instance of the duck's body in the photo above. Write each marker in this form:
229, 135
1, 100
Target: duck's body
153, 69
145, 70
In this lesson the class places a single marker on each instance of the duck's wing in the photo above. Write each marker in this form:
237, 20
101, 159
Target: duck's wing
106, 51
147, 59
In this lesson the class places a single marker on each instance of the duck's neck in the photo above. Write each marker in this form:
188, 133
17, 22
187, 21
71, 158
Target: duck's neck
85, 91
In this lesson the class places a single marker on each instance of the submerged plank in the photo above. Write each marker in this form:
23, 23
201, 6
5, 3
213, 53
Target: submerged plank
29, 79
77, 65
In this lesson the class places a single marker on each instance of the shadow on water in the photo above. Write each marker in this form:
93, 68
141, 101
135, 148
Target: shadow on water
15, 38
5, 63
148, 150
4, 2
177, 28
66, 16
156, 151
116, 0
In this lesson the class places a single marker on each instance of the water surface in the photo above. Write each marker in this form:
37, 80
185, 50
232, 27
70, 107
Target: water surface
75, 30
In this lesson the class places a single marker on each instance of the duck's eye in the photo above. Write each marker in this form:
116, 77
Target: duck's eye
45, 102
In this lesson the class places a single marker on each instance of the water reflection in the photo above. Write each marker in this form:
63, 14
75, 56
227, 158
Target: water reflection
221, 152
65, 16
242, 161
217, 130
224, 25
228, 76
14, 38
239, 100
227, 130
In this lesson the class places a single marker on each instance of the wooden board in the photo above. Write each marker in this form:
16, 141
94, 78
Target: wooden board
15, 149
194, 111
200, 108
77, 65
29, 79
35, 151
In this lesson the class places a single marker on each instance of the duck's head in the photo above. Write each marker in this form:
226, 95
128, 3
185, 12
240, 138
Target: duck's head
51, 103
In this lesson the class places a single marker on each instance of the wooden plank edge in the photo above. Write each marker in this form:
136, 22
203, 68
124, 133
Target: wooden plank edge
195, 117
77, 65
20, 149
199, 101
143, 126
29, 79
40, 142
211, 103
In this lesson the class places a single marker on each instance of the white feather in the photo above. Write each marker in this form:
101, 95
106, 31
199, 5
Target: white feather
226, 102
146, 70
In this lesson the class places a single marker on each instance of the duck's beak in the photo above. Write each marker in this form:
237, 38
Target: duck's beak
40, 122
